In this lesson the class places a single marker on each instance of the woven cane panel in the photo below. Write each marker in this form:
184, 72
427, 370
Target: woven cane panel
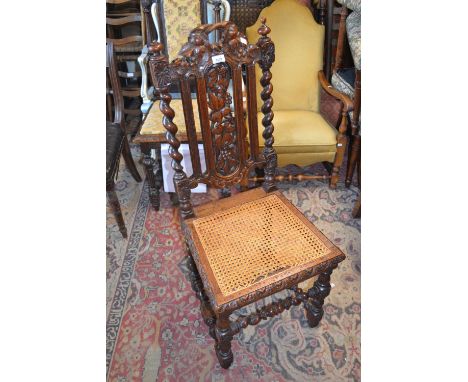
250, 242
153, 122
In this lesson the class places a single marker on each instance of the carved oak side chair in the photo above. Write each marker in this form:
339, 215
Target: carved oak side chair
116, 140
124, 25
251, 245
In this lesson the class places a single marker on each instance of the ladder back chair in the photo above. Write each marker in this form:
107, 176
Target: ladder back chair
116, 138
124, 23
253, 244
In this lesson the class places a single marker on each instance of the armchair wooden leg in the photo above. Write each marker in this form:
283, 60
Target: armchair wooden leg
223, 344
154, 183
341, 143
317, 294
127, 155
353, 158
115, 205
197, 286
338, 162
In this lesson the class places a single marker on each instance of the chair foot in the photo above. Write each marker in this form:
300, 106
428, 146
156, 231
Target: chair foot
223, 344
317, 294
354, 152
115, 205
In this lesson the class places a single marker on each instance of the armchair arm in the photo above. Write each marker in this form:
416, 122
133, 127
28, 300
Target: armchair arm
347, 102
341, 138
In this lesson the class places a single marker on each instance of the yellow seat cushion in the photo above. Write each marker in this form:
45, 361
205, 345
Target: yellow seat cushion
299, 131
301, 137
299, 44
153, 122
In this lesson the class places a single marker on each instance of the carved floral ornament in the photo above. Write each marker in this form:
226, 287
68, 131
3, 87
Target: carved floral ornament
223, 127
196, 55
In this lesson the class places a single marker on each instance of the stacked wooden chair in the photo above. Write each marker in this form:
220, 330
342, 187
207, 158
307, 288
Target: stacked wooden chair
251, 245
125, 31
116, 139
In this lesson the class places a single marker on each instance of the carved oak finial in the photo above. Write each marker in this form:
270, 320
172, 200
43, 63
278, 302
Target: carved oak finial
264, 29
156, 47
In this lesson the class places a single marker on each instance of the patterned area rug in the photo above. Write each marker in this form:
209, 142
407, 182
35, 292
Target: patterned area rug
129, 192
155, 331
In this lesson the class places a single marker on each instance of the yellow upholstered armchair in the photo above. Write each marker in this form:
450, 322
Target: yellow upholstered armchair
302, 135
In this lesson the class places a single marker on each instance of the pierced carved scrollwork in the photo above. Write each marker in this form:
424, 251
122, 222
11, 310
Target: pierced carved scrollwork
223, 127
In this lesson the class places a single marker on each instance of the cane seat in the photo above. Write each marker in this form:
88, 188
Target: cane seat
252, 240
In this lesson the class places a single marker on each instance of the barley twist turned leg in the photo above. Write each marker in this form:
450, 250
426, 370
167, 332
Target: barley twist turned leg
205, 307
317, 294
223, 344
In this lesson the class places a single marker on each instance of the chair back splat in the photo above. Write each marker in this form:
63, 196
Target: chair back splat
213, 66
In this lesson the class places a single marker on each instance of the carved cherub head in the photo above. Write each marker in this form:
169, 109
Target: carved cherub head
197, 46
232, 32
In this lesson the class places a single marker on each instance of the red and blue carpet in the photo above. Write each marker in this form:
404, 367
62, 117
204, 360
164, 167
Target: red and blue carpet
155, 331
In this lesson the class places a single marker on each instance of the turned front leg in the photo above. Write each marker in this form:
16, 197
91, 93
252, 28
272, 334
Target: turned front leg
341, 142
317, 294
205, 307
223, 344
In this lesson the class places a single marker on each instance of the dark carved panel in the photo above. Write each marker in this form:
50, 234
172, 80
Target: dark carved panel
223, 128
214, 66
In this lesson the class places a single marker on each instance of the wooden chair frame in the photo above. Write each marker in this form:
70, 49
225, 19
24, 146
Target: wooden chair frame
118, 119
229, 163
